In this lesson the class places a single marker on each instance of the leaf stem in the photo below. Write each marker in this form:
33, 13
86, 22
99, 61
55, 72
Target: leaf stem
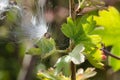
54, 52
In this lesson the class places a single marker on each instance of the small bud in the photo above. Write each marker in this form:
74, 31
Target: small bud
104, 57
47, 35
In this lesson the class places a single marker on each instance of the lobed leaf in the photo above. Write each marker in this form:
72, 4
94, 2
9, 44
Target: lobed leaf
46, 45
110, 20
94, 57
76, 55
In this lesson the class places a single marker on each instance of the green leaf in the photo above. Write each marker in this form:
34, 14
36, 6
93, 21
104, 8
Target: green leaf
80, 30
95, 39
49, 75
69, 28
94, 57
110, 20
73, 30
112, 61
63, 64
76, 55
46, 45
88, 23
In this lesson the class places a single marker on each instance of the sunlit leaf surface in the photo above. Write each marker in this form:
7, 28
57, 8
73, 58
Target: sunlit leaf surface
110, 20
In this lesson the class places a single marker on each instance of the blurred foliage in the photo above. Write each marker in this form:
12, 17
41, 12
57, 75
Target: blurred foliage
49, 75
81, 74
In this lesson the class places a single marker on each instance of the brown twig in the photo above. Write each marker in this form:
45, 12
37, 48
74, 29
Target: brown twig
110, 54
72, 14
106, 52
73, 71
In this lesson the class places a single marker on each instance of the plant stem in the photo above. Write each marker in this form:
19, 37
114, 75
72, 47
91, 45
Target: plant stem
72, 14
106, 52
110, 54
73, 71
73, 66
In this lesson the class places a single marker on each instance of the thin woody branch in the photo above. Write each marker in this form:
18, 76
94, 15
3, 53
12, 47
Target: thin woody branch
72, 14
110, 54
